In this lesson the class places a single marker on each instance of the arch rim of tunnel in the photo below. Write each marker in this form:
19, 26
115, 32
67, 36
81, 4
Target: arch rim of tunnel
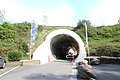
67, 32
46, 50
64, 41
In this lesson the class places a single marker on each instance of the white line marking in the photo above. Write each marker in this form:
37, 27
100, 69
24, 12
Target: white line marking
9, 71
74, 72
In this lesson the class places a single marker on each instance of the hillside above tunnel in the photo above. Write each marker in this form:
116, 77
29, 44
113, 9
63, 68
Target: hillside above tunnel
103, 40
48, 29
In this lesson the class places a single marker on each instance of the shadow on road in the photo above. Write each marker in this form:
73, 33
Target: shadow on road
48, 76
106, 72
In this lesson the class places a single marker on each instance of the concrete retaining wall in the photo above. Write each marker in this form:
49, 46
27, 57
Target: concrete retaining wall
22, 63
29, 62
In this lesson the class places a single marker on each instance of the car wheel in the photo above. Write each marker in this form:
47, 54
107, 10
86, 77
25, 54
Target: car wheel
97, 62
4, 65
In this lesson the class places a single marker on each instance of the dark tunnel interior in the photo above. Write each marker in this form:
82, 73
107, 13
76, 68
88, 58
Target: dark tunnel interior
59, 46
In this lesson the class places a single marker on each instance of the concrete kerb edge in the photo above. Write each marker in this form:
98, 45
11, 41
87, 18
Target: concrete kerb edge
29, 62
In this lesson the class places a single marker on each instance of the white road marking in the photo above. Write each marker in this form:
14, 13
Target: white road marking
9, 71
74, 72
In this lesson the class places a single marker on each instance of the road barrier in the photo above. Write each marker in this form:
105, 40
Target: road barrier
29, 62
71, 56
13, 64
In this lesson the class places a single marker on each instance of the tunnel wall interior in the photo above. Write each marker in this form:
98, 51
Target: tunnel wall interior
59, 45
55, 44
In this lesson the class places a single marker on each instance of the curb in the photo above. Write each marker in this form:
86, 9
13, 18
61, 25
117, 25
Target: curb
22, 63
29, 62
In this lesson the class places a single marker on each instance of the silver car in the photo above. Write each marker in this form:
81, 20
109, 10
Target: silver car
2, 63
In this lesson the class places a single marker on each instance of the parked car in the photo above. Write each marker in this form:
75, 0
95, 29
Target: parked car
93, 60
2, 62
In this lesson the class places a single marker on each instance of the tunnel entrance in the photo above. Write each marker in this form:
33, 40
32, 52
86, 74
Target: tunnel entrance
59, 45
56, 44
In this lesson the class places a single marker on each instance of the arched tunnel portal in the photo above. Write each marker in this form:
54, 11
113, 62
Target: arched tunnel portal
59, 46
56, 44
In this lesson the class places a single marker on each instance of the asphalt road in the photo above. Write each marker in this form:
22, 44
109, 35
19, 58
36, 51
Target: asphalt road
5, 70
58, 70
106, 72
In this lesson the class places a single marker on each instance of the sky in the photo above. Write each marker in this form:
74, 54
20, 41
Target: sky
62, 12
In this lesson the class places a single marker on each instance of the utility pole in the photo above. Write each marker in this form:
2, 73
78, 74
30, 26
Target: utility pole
44, 20
87, 44
119, 21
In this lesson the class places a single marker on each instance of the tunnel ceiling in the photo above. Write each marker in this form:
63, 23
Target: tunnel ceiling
60, 43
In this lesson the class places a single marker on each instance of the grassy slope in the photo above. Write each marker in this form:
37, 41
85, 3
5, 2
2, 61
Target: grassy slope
102, 40
42, 35
96, 35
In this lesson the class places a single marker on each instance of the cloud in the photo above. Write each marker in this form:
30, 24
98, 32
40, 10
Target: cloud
16, 12
105, 12
61, 15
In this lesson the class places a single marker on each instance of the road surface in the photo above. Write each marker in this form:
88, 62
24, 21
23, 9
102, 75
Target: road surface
58, 70
106, 72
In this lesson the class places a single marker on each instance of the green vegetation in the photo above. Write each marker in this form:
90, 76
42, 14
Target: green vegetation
15, 38
103, 40
14, 56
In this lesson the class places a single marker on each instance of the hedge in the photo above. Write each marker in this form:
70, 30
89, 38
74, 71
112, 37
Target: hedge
14, 56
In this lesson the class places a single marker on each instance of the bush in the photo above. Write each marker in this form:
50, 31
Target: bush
25, 47
14, 56
115, 51
105, 49
3, 52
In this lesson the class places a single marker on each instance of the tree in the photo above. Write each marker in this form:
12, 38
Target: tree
119, 21
7, 25
2, 12
82, 22
14, 56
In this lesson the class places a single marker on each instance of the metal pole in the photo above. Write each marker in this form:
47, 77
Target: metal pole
87, 45
44, 20
30, 49
30, 52
30, 45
